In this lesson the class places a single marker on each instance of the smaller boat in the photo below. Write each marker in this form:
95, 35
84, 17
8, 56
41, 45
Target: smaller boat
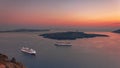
63, 44
28, 50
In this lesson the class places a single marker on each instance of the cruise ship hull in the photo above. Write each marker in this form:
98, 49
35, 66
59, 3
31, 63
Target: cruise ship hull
29, 53
63, 45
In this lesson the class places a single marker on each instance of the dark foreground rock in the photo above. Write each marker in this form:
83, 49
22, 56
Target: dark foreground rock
116, 31
70, 35
6, 63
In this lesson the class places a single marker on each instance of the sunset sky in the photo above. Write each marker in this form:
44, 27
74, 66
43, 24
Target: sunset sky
60, 13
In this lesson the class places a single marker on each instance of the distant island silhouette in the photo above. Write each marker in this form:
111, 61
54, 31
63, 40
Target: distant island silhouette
26, 30
70, 35
116, 31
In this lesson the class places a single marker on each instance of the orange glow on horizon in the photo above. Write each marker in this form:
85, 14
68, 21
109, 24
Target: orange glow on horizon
88, 13
64, 20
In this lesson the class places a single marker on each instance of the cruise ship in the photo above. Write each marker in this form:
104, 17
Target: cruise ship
63, 44
28, 50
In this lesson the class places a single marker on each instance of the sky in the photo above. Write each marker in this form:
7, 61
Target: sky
94, 14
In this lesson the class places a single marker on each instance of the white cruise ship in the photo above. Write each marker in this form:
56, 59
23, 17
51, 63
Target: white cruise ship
28, 50
63, 44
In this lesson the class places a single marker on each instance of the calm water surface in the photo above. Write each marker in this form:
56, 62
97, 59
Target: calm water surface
98, 52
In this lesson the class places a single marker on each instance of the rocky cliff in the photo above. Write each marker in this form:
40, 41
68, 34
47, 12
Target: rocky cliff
5, 62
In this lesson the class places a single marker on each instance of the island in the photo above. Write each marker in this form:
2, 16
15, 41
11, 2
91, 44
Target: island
116, 31
5, 62
70, 35
26, 30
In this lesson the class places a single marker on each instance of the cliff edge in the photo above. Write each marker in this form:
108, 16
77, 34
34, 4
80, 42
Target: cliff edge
6, 63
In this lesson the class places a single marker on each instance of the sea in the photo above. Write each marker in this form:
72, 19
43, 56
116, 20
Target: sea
97, 52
